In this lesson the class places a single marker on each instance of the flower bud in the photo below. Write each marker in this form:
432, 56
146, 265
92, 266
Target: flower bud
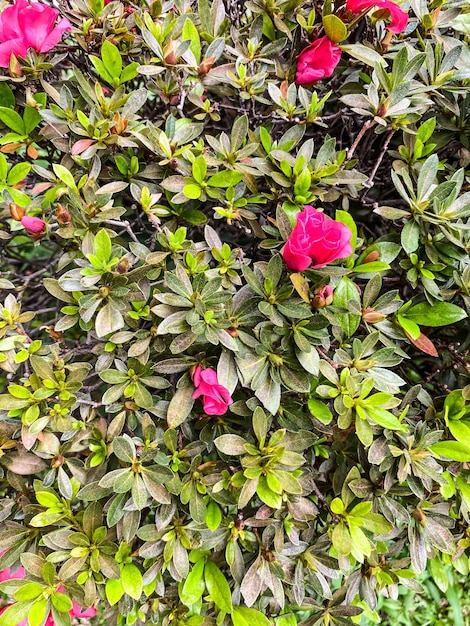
34, 225
16, 212
371, 316
323, 296
63, 216
169, 55
205, 66
120, 124
372, 256
123, 265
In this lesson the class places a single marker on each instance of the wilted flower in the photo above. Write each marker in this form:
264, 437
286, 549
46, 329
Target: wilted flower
24, 25
317, 61
399, 18
316, 241
215, 398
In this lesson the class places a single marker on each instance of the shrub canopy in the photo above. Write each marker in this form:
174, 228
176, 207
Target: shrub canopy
219, 406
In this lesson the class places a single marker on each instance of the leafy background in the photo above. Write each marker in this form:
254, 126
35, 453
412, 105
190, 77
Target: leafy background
168, 149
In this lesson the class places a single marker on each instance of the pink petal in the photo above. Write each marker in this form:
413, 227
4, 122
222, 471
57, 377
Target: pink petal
56, 35
13, 46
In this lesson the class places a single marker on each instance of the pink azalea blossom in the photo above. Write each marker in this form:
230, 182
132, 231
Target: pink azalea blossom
317, 61
398, 17
215, 398
25, 25
316, 241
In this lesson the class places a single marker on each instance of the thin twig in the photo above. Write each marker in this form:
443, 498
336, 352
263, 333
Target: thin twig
362, 132
369, 183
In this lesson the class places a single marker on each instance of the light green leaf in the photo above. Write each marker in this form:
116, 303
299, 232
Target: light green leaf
131, 580
218, 587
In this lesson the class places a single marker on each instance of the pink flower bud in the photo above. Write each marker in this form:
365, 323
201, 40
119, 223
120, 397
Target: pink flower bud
33, 225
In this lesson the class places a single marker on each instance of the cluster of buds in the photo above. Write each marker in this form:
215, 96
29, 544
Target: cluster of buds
322, 297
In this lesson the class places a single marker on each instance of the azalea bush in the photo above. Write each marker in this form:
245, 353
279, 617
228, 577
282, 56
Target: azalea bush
234, 322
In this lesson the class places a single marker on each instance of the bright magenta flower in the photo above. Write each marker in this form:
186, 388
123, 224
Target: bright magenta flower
317, 61
33, 225
316, 241
24, 25
215, 398
399, 18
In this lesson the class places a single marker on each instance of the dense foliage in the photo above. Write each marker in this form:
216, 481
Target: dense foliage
199, 423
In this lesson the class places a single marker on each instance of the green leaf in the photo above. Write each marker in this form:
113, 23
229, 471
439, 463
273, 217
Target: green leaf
29, 591
131, 580
233, 445
344, 293
191, 33
17, 173
192, 191
225, 178
15, 613
320, 411
102, 245
453, 450
124, 449
365, 54
213, 516
180, 406
65, 176
410, 236
61, 602
11, 119
114, 590
244, 616
108, 320
111, 59
218, 587
31, 118
335, 29
38, 611
194, 585
199, 169
437, 314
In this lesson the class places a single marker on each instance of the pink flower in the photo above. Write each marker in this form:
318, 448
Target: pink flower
316, 241
215, 398
24, 25
7, 574
399, 18
317, 61
33, 225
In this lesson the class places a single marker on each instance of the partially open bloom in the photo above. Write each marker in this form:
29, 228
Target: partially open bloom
322, 297
215, 398
33, 225
317, 61
316, 241
24, 25
398, 17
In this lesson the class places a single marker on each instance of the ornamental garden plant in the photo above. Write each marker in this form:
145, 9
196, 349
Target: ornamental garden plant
234, 325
